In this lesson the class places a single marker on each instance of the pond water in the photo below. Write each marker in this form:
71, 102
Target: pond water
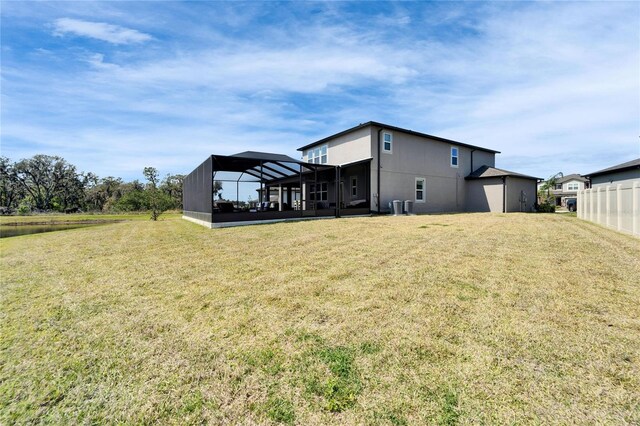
17, 230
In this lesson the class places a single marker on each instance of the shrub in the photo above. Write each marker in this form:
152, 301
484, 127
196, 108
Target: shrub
24, 208
546, 207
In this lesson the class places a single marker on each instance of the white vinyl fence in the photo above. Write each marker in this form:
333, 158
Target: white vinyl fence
614, 206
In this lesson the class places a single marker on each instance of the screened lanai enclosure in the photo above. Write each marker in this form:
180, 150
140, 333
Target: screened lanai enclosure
255, 187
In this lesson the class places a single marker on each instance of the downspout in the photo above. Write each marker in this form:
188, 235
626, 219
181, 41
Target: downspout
504, 194
472, 151
379, 167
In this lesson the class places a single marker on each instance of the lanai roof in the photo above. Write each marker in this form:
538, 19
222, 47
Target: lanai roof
264, 166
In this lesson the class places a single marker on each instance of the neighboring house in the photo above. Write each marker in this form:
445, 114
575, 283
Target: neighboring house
437, 174
359, 171
568, 187
621, 173
614, 198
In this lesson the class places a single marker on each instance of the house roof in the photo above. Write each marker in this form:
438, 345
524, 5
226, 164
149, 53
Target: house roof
491, 172
573, 176
397, 129
629, 165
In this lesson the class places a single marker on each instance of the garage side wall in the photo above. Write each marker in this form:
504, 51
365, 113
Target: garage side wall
521, 194
484, 195
197, 188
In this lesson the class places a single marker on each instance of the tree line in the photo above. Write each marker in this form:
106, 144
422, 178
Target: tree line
47, 183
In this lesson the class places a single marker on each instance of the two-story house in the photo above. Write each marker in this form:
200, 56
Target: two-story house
358, 171
568, 187
381, 163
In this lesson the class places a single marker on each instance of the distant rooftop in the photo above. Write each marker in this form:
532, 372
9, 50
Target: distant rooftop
573, 176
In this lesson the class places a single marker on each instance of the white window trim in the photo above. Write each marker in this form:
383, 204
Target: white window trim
351, 185
311, 158
389, 151
571, 185
457, 156
316, 189
424, 189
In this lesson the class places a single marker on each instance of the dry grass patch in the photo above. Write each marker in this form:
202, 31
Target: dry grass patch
444, 319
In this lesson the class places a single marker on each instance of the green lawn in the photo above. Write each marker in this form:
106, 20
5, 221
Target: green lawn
439, 319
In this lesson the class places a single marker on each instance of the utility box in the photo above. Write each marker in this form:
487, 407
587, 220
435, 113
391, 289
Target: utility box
397, 207
408, 207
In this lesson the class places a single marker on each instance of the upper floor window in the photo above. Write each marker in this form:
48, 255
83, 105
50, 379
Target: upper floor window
420, 189
317, 155
454, 156
558, 186
572, 186
387, 142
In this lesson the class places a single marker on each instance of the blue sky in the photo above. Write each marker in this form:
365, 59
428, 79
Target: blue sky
117, 86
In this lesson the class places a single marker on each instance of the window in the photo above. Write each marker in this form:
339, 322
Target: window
354, 186
318, 192
317, 155
558, 186
572, 186
454, 156
420, 190
387, 142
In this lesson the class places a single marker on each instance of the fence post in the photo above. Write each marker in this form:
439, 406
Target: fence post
619, 205
599, 206
579, 201
636, 208
608, 201
591, 203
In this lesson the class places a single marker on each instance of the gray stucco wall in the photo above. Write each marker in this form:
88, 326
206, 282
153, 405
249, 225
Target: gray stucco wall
484, 195
615, 178
520, 189
414, 156
362, 181
442, 194
480, 158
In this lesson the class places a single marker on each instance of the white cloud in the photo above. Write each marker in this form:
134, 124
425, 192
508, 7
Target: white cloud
552, 86
99, 30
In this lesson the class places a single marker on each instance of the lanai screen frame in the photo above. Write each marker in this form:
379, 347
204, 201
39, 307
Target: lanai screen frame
268, 170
